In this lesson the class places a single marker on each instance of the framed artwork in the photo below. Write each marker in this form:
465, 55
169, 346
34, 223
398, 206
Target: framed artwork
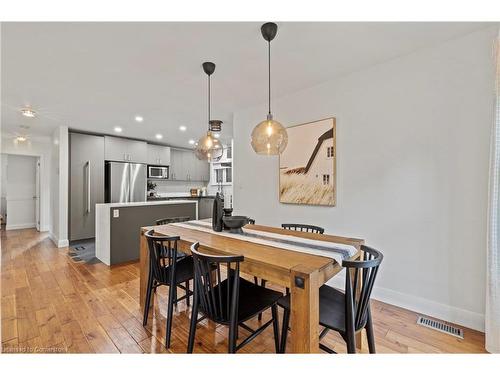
308, 165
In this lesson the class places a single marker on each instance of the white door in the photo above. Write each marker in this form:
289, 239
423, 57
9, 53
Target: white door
21, 192
37, 195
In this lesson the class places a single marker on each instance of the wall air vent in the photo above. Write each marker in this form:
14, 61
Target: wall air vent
440, 326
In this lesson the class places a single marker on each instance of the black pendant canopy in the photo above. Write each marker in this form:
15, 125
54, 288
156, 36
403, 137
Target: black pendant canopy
208, 68
269, 30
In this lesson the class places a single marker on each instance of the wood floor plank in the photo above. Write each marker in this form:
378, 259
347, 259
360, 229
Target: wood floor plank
27, 327
50, 331
74, 338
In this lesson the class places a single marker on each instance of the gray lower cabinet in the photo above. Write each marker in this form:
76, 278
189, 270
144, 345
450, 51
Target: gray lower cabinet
86, 183
205, 206
125, 229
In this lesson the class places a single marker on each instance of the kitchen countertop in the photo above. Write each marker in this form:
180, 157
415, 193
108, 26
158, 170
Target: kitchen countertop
147, 203
181, 197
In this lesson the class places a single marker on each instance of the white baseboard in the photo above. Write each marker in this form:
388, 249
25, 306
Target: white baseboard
19, 226
58, 242
423, 306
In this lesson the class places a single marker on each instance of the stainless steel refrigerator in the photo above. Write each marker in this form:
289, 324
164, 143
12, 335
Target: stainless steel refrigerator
125, 182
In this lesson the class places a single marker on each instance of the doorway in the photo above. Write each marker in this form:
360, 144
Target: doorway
20, 207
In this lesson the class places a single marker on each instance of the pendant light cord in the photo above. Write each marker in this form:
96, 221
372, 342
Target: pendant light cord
209, 102
269, 70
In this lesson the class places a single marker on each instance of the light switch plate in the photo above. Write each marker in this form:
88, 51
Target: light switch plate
116, 213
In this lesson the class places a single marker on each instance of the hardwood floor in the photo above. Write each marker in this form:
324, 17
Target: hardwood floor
52, 305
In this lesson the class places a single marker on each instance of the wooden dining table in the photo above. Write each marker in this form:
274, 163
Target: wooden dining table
302, 273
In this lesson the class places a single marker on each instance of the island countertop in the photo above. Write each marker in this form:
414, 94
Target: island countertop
118, 225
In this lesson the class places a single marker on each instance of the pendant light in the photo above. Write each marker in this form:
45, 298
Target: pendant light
209, 147
269, 137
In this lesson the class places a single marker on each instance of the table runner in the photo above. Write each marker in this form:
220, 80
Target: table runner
332, 250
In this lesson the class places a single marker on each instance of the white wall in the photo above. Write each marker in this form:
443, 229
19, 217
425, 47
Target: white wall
40, 147
59, 184
412, 164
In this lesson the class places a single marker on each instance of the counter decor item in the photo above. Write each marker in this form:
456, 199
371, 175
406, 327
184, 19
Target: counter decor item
235, 223
227, 212
151, 189
217, 213
307, 170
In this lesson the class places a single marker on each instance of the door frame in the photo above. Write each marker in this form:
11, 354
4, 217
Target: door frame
37, 194
43, 196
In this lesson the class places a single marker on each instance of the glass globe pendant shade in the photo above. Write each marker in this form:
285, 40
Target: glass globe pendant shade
269, 137
208, 147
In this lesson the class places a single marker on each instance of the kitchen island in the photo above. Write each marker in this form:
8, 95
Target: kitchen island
118, 225
205, 202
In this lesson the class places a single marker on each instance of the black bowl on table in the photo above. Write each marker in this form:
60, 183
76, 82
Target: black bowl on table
235, 223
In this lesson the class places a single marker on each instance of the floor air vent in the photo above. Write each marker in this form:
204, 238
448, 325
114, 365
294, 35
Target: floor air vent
440, 326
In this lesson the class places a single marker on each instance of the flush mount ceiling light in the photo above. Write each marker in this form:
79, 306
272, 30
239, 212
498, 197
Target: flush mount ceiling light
209, 147
182, 128
28, 112
118, 129
139, 118
158, 136
269, 137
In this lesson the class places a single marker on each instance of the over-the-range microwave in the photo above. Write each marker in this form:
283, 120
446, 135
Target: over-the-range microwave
159, 172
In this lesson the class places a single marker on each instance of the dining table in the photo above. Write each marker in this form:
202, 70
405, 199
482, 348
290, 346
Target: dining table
302, 273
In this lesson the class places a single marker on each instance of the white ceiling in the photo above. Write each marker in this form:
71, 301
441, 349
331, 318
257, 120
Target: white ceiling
95, 76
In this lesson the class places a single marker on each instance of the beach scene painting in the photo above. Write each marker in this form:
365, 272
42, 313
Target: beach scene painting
307, 165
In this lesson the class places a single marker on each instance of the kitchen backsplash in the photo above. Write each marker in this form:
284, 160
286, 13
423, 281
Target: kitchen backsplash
176, 186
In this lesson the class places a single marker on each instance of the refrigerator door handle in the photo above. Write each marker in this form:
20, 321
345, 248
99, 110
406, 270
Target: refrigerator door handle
87, 164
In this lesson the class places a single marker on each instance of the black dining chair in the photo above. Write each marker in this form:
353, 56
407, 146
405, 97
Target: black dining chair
345, 312
304, 228
165, 268
180, 254
230, 301
296, 227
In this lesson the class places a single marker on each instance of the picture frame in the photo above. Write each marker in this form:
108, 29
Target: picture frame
307, 167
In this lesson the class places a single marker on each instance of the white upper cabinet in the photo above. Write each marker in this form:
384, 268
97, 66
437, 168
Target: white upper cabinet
184, 166
121, 149
158, 155
176, 165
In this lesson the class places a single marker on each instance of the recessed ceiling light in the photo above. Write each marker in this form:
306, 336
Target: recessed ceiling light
158, 136
191, 141
216, 135
118, 129
139, 118
28, 112
182, 128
